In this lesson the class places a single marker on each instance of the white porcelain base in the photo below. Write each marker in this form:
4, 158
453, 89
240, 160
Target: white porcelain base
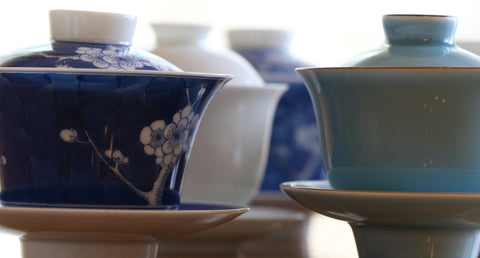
227, 239
401, 241
399, 224
81, 245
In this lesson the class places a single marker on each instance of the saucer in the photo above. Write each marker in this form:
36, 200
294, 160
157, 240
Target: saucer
189, 218
116, 233
258, 222
386, 207
398, 224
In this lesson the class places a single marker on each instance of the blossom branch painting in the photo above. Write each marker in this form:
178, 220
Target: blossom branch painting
165, 141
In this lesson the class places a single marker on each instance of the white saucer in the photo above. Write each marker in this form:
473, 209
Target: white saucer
159, 223
398, 224
386, 207
259, 222
72, 233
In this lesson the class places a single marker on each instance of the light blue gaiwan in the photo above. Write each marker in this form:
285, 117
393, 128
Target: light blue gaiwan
405, 117
417, 40
90, 122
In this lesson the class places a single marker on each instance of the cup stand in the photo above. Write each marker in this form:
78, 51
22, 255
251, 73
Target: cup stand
80, 245
390, 240
385, 240
398, 224
79, 233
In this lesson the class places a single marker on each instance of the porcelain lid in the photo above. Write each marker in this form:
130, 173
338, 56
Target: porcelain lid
92, 27
89, 40
183, 44
417, 40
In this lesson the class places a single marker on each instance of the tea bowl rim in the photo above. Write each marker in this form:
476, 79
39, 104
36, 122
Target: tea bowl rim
392, 68
113, 72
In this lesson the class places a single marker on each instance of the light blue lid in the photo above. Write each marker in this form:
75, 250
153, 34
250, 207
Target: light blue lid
417, 40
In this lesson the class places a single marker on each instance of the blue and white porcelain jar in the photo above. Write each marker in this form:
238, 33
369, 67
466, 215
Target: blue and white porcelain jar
90, 122
294, 151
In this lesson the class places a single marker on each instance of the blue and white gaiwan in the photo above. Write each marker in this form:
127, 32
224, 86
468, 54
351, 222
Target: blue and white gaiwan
90, 122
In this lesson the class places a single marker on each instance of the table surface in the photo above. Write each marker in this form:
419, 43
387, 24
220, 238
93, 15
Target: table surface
316, 237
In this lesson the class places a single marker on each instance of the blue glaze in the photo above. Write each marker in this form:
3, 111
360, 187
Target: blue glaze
399, 129
201, 206
73, 139
417, 40
86, 123
405, 179
61, 54
294, 151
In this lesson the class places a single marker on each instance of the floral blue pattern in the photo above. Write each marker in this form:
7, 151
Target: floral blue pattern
93, 56
166, 142
98, 140
112, 57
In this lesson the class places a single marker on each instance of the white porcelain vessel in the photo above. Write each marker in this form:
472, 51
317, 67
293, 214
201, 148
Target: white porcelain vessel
70, 25
119, 233
294, 150
229, 156
184, 45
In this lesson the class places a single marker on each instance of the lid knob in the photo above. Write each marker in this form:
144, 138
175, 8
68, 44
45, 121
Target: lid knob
424, 29
92, 27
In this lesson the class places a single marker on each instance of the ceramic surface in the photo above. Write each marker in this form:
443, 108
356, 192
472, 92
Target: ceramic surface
417, 40
229, 156
188, 218
294, 153
82, 39
258, 222
92, 123
399, 129
184, 45
230, 152
87, 55
63, 232
89, 139
398, 224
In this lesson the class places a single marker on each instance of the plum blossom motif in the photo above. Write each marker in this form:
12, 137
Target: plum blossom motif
69, 135
167, 142
153, 139
111, 58
116, 156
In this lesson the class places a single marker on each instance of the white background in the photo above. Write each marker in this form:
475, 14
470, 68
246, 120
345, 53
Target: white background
326, 32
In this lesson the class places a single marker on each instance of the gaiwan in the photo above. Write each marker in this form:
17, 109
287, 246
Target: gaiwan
404, 117
89, 121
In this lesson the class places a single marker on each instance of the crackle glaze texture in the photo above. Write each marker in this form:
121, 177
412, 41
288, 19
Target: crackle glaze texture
90, 139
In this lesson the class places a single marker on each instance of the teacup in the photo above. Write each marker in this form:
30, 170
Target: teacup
90, 122
398, 128
230, 153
